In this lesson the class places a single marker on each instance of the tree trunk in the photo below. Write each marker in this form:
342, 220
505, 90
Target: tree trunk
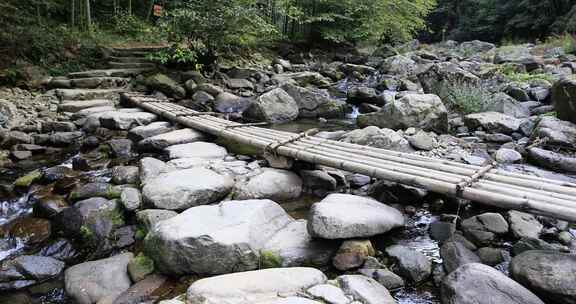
73, 12
88, 16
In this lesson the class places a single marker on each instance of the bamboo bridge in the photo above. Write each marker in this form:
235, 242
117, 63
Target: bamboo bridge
484, 184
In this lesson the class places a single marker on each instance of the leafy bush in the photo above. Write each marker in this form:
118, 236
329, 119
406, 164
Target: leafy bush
178, 55
512, 74
124, 23
220, 25
465, 97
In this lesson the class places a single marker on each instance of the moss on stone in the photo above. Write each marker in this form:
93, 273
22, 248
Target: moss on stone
28, 179
140, 266
270, 259
114, 192
116, 216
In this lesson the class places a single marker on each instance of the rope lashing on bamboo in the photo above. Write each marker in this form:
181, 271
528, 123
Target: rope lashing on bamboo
469, 181
272, 148
492, 186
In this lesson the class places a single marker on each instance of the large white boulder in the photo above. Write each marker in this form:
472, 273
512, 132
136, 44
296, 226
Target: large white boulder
274, 184
215, 239
261, 286
343, 216
179, 190
89, 282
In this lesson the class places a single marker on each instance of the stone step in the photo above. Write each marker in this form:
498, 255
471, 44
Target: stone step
75, 106
88, 94
131, 65
135, 52
130, 59
109, 73
89, 83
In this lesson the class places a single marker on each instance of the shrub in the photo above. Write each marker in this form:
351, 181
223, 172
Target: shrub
180, 55
465, 97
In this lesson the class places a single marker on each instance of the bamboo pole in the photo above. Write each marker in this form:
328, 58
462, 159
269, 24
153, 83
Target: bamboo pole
213, 126
414, 170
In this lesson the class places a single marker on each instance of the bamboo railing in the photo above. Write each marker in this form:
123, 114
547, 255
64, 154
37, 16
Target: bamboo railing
491, 186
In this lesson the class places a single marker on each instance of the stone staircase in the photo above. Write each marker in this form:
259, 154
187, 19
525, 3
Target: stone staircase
101, 88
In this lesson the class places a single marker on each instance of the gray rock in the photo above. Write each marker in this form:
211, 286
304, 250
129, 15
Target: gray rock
362, 95
514, 54
164, 140
551, 275
352, 254
493, 256
293, 246
564, 98
385, 277
166, 85
470, 48
507, 156
328, 293
552, 160
318, 182
197, 150
95, 221
261, 286
125, 175
365, 289
275, 106
313, 102
144, 291
126, 120
410, 263
503, 103
150, 217
26, 270
379, 138
180, 190
398, 65
438, 75
476, 283
236, 84
423, 141
424, 111
79, 105
303, 79
229, 103
215, 239
341, 216
527, 244
150, 168
454, 254
556, 131
493, 122
482, 229
156, 128
274, 184
131, 199
524, 225
89, 282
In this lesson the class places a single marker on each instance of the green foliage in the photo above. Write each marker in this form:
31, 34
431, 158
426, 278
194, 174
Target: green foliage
363, 20
495, 20
465, 97
130, 25
269, 259
184, 56
220, 25
511, 74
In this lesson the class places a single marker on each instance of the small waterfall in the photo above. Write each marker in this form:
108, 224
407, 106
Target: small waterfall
354, 114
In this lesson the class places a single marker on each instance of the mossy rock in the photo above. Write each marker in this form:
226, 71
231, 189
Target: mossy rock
27, 180
139, 267
238, 148
270, 259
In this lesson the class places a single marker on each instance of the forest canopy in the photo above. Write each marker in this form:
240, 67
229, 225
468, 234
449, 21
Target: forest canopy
40, 31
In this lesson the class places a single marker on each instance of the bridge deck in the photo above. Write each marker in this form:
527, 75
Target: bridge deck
484, 184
